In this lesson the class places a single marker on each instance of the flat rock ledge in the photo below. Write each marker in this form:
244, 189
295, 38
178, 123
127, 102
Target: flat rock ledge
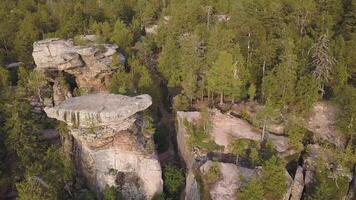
100, 109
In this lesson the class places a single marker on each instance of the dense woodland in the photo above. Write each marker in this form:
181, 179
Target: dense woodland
283, 54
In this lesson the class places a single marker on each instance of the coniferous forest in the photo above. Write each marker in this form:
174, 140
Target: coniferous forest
282, 57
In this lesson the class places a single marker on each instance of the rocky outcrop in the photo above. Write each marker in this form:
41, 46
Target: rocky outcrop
110, 149
224, 128
311, 161
322, 123
231, 178
298, 185
192, 187
92, 65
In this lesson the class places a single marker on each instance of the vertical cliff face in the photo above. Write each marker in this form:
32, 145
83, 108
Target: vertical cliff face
110, 147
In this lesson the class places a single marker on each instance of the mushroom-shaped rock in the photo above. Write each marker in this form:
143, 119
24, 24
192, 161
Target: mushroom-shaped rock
112, 147
100, 109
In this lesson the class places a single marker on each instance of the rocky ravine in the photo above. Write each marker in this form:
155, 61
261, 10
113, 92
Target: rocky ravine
110, 149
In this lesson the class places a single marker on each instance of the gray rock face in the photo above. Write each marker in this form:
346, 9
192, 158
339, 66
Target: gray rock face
110, 147
92, 65
192, 188
298, 185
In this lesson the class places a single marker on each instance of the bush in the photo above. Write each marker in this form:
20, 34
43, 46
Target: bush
110, 193
197, 138
160, 196
325, 187
252, 191
173, 179
181, 103
213, 174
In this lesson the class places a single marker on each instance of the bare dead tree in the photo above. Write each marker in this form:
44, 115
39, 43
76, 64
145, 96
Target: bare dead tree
322, 61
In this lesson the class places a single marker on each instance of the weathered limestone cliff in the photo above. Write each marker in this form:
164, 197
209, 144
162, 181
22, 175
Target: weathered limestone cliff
110, 149
92, 65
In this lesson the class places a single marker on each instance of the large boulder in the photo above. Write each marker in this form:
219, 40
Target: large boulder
92, 64
110, 149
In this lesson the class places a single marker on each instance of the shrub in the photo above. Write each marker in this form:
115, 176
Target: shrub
173, 178
252, 191
213, 173
274, 179
197, 138
160, 196
110, 193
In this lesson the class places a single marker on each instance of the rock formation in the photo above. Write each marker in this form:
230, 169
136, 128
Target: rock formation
322, 123
92, 64
110, 149
224, 128
298, 185
230, 179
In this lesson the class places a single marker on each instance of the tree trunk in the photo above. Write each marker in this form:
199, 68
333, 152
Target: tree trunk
221, 98
263, 130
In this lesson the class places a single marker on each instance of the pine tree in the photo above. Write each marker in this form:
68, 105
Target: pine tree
273, 179
253, 191
221, 77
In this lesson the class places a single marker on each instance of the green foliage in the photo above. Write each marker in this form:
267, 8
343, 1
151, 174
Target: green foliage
173, 179
160, 196
205, 120
295, 134
347, 116
273, 179
223, 77
122, 36
181, 103
198, 138
252, 92
252, 191
147, 124
213, 174
22, 139
45, 180
110, 193
80, 92
240, 146
327, 188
